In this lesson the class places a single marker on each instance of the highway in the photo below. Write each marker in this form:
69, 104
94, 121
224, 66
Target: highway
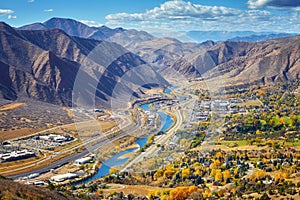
99, 142
93, 146
162, 140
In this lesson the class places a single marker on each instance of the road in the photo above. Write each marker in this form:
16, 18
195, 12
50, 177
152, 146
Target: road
162, 140
96, 144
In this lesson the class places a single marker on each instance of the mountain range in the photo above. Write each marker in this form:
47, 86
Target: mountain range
42, 61
44, 64
242, 63
240, 36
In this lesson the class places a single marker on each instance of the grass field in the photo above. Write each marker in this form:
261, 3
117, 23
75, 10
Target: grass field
250, 103
132, 189
292, 144
89, 127
238, 142
12, 134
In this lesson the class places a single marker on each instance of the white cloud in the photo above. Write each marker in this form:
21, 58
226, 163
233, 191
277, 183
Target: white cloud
48, 10
280, 4
30, 1
177, 10
181, 15
11, 17
6, 11
257, 3
91, 23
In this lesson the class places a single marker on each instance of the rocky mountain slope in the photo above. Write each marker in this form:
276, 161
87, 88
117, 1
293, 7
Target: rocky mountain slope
159, 52
239, 63
44, 64
234, 62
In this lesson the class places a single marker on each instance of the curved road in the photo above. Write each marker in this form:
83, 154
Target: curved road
163, 139
96, 144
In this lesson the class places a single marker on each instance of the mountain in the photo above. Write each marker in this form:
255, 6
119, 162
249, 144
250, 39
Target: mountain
241, 63
198, 63
34, 26
261, 38
44, 65
159, 52
69, 26
227, 60
238, 36
75, 28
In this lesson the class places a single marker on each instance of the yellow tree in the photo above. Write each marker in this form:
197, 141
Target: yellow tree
207, 193
180, 193
258, 132
7, 196
219, 154
186, 172
169, 173
281, 121
113, 171
213, 173
219, 176
226, 174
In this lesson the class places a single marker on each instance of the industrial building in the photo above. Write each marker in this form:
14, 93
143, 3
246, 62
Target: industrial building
83, 160
16, 155
63, 177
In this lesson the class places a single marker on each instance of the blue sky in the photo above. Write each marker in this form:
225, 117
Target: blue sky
160, 15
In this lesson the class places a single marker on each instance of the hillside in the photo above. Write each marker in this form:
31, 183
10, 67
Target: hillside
238, 63
44, 64
13, 190
158, 52
263, 62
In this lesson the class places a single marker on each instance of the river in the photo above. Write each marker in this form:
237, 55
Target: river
117, 160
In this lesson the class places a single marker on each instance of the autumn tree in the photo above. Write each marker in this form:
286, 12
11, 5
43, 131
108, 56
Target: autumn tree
186, 173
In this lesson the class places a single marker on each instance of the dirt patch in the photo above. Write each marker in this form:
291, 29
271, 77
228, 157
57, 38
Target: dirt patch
69, 112
12, 106
12, 134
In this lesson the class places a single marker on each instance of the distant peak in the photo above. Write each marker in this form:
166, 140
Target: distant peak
55, 20
59, 18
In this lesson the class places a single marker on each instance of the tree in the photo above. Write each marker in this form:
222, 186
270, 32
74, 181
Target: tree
7, 196
258, 132
186, 173
169, 173
226, 174
219, 154
207, 193
113, 171
218, 176
179, 193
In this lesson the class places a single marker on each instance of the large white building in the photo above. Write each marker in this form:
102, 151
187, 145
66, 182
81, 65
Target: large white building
83, 160
63, 177
16, 155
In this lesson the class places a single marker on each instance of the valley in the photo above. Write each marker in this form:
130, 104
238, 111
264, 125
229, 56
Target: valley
112, 113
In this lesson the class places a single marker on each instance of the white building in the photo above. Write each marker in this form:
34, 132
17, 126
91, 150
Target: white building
16, 155
63, 177
83, 160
